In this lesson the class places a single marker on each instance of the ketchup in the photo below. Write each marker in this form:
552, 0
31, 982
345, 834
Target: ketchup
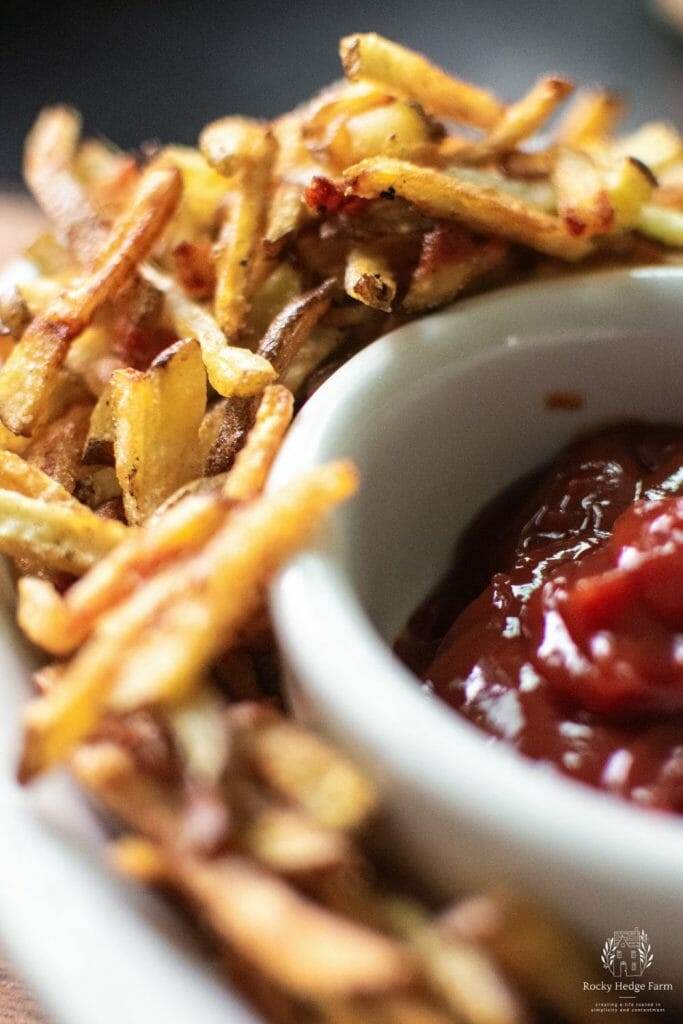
559, 629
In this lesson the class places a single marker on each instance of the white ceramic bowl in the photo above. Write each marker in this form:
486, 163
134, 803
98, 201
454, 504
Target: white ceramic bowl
439, 416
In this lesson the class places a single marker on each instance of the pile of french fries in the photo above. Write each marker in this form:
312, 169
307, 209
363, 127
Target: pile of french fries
154, 344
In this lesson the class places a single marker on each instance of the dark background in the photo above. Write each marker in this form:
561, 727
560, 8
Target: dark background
162, 69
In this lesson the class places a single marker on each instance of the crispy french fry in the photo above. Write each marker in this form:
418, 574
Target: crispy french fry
232, 144
222, 433
591, 118
308, 771
48, 158
583, 202
450, 261
287, 210
481, 209
60, 624
318, 347
28, 377
154, 645
396, 128
22, 477
57, 448
519, 121
248, 475
157, 415
203, 193
98, 449
239, 239
59, 535
231, 370
293, 324
369, 279
409, 75
281, 285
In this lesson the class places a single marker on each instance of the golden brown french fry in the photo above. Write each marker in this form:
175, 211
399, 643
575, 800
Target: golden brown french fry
98, 449
60, 624
248, 475
368, 278
519, 121
232, 144
460, 973
407, 74
157, 415
294, 323
657, 144
222, 433
28, 377
583, 202
239, 240
22, 477
592, 118
281, 285
451, 261
48, 169
304, 947
154, 646
203, 193
57, 448
481, 209
287, 210
59, 535
395, 128
231, 370
308, 771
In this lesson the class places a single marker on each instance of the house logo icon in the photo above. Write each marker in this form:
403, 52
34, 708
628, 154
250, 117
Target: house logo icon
627, 954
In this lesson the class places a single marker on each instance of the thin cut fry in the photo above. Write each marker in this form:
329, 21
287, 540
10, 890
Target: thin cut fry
450, 263
233, 144
481, 209
153, 646
369, 279
28, 377
157, 416
247, 477
48, 158
305, 769
57, 448
591, 118
22, 477
291, 327
58, 535
409, 75
240, 237
231, 370
519, 121
583, 202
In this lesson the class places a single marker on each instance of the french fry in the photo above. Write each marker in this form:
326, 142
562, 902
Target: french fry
583, 202
157, 415
309, 772
202, 194
481, 209
286, 211
201, 735
60, 624
248, 475
658, 145
22, 477
293, 324
661, 223
629, 186
48, 158
234, 144
303, 947
288, 842
519, 121
395, 128
409, 75
29, 376
193, 610
231, 370
98, 449
222, 433
282, 284
464, 976
58, 535
318, 347
237, 246
57, 448
591, 119
368, 278
450, 261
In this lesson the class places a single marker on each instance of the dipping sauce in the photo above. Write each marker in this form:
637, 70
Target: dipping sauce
559, 629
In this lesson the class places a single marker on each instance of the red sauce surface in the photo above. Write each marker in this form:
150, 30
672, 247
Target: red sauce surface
559, 629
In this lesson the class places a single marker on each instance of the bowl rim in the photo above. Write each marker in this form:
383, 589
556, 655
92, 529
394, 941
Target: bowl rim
351, 670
